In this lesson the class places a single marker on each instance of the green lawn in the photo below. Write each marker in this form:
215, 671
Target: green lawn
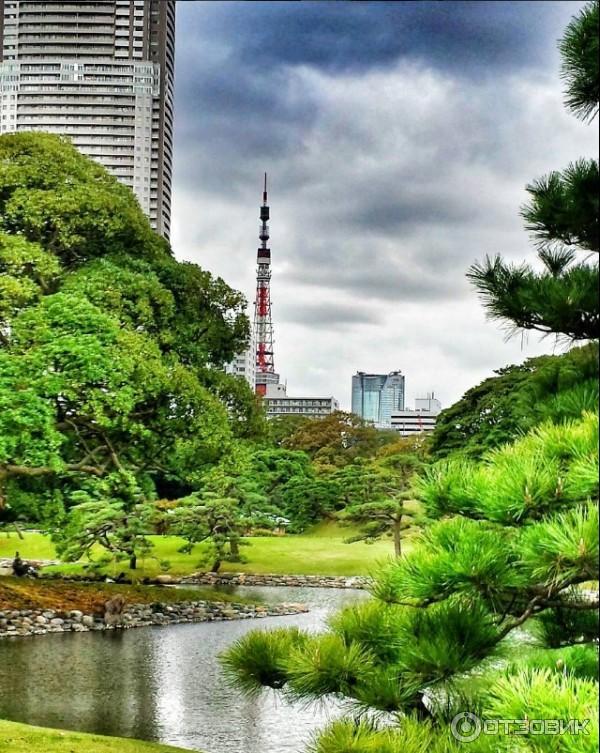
21, 738
321, 551
35, 546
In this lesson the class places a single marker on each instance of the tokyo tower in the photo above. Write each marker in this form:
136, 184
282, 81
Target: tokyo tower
263, 323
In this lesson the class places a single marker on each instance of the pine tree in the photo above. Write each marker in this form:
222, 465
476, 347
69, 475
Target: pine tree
562, 217
501, 569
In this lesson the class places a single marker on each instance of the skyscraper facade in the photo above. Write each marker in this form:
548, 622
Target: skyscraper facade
376, 396
244, 364
102, 74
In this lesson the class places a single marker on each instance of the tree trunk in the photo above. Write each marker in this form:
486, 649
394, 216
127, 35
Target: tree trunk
397, 540
421, 709
133, 562
216, 566
234, 550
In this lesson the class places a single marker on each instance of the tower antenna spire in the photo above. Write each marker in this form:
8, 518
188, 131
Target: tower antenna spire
263, 323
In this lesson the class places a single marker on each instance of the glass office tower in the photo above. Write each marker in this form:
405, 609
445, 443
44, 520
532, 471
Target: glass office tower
376, 396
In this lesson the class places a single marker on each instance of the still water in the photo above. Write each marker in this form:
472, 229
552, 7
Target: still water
162, 683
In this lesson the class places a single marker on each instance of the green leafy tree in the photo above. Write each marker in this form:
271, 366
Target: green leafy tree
110, 350
359, 483
112, 514
516, 399
71, 206
220, 522
338, 439
515, 537
26, 273
563, 218
274, 468
211, 519
289, 482
282, 427
231, 503
579, 50
306, 501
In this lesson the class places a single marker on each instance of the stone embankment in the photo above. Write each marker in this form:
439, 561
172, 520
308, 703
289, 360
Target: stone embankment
26, 622
296, 581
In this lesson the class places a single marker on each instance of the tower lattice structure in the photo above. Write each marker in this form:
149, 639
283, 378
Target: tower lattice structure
263, 323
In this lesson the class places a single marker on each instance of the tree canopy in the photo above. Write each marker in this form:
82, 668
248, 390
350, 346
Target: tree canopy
516, 399
111, 350
338, 439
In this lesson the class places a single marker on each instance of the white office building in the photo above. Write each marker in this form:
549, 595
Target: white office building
278, 403
428, 403
422, 419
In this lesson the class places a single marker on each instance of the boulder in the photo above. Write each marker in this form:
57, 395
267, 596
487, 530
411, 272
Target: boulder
165, 580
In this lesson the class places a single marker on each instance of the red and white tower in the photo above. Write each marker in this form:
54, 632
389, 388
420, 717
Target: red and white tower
263, 323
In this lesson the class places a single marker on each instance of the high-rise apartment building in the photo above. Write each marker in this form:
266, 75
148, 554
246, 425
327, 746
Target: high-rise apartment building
244, 364
102, 74
376, 396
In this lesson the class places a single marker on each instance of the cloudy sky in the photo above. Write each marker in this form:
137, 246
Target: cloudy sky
398, 138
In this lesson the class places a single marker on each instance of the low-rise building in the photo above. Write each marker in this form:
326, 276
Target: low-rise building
279, 403
428, 403
422, 419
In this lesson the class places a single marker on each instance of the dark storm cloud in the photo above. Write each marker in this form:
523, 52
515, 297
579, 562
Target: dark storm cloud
467, 36
249, 118
238, 97
406, 209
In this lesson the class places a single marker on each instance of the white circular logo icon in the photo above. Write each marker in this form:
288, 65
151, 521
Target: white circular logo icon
466, 727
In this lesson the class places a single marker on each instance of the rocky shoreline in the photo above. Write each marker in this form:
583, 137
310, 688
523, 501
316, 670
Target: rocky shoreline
29, 622
234, 579
247, 579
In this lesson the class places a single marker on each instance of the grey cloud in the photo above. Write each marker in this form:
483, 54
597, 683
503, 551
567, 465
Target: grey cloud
237, 93
390, 175
324, 314
376, 285
468, 36
407, 209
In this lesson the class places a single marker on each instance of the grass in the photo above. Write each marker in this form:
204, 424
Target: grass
62, 596
319, 551
22, 738
34, 546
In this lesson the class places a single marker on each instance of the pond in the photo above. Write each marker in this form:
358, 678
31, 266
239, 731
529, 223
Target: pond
162, 683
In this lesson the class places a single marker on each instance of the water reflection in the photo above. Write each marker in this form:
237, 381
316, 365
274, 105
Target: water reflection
161, 683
